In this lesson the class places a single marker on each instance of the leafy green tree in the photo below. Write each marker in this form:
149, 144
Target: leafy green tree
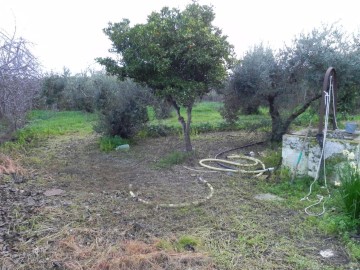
180, 55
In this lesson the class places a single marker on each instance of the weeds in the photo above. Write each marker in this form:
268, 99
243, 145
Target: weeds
173, 158
108, 144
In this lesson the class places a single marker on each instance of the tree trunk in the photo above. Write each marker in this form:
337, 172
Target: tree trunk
277, 127
185, 125
280, 127
187, 139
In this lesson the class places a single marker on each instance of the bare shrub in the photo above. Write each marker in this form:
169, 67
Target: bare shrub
19, 79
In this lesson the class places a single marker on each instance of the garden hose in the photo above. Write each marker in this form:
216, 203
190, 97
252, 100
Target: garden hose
176, 205
233, 149
221, 163
255, 162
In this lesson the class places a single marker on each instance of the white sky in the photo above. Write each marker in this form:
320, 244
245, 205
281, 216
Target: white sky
69, 32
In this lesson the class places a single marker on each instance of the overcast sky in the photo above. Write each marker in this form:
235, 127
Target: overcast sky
69, 32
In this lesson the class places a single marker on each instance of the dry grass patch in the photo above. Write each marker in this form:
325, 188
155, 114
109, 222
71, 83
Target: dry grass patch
73, 254
9, 166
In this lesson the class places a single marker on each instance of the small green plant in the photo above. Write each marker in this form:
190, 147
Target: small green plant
108, 144
272, 157
174, 158
184, 243
187, 242
349, 188
337, 223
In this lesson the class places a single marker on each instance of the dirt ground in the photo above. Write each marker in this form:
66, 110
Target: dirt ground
95, 223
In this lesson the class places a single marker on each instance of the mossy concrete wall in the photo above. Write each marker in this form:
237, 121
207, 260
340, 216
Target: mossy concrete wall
295, 143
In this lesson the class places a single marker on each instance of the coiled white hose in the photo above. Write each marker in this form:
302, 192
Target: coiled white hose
255, 162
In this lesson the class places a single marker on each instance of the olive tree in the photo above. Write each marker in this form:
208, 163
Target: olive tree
179, 55
290, 80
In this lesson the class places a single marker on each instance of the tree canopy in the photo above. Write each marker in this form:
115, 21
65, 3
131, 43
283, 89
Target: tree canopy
290, 81
180, 55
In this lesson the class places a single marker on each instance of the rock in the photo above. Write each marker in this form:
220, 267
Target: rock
268, 197
54, 192
30, 201
123, 147
327, 253
18, 179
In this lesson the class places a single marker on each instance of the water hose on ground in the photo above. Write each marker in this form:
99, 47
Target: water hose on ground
234, 149
177, 205
255, 162
225, 168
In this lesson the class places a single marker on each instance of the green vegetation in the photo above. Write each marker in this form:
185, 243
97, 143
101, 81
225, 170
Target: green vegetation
288, 81
43, 124
122, 112
206, 118
180, 55
350, 191
184, 243
203, 112
232, 227
108, 144
173, 158
339, 218
187, 242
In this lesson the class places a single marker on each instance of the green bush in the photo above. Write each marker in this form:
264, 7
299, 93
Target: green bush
160, 130
123, 111
75, 92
